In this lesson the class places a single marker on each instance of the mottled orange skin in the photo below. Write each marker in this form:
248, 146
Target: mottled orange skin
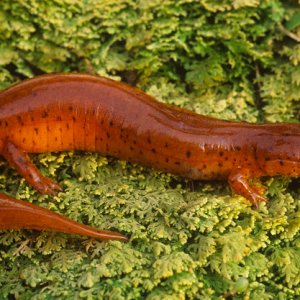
83, 112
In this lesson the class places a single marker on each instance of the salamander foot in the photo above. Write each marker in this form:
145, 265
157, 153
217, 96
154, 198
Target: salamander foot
238, 180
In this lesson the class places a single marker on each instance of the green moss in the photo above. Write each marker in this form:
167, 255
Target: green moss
228, 59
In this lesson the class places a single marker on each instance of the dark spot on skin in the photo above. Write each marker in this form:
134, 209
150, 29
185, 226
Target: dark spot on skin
166, 145
127, 136
32, 118
70, 108
24, 139
36, 130
5, 123
60, 129
238, 148
102, 122
267, 158
188, 154
177, 163
108, 135
55, 139
226, 158
141, 152
221, 153
58, 118
68, 126
220, 164
45, 114
204, 166
34, 94
166, 160
111, 123
153, 150
48, 128
149, 140
281, 163
20, 160
134, 142
131, 148
74, 119
33, 142
20, 120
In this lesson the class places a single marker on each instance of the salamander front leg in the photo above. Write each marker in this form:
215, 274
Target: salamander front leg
238, 180
16, 214
18, 159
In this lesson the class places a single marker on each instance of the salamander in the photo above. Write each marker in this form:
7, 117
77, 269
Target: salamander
62, 112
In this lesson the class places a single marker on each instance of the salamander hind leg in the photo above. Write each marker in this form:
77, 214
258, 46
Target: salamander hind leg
239, 182
18, 159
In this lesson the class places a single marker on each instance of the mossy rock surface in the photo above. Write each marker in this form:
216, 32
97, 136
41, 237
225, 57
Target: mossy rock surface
236, 60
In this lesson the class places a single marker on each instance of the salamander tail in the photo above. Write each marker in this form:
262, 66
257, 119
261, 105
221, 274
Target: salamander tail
16, 214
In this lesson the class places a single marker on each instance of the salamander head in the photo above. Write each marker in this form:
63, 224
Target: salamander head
280, 155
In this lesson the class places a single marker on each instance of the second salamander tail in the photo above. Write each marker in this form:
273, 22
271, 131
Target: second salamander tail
16, 214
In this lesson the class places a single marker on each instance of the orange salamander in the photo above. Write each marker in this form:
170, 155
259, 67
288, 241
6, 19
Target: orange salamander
64, 112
